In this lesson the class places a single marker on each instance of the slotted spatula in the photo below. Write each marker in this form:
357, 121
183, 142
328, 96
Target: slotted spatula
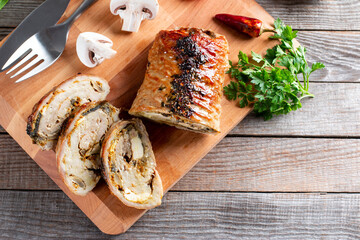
43, 48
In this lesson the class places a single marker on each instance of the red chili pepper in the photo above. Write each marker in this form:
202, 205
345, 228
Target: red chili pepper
250, 26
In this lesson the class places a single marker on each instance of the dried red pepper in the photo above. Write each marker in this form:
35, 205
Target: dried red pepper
250, 26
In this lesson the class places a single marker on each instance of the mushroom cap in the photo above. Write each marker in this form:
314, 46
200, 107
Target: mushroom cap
93, 48
132, 12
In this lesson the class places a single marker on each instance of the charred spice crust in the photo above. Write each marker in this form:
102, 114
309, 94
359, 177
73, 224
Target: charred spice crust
190, 58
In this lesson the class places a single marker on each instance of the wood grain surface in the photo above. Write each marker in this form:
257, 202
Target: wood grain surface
316, 14
334, 112
176, 151
303, 15
202, 205
14, 12
341, 61
235, 164
191, 215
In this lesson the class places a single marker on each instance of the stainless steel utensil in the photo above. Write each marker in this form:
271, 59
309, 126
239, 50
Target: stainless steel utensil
47, 14
43, 48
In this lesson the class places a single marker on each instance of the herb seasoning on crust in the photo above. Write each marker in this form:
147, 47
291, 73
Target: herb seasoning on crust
184, 80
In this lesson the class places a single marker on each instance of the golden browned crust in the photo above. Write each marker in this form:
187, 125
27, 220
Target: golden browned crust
184, 80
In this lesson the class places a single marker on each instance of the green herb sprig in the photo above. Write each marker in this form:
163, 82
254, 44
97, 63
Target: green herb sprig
3, 3
272, 84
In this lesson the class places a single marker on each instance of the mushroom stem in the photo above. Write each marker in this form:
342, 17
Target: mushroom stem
133, 12
93, 48
131, 23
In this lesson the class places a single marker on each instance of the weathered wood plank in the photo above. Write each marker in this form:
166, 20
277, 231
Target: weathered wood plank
236, 164
4, 32
278, 165
48, 215
341, 60
314, 15
16, 10
325, 14
335, 111
18, 170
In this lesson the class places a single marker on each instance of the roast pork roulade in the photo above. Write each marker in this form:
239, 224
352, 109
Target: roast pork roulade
50, 112
129, 165
78, 148
184, 80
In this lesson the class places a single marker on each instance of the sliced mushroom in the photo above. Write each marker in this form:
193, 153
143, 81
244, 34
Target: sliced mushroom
129, 165
50, 112
132, 12
93, 48
78, 148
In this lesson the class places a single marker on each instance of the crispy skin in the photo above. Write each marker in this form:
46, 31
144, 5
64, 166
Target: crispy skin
184, 80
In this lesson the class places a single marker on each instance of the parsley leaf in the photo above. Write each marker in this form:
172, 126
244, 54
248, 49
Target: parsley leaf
3, 3
272, 85
231, 90
243, 58
317, 66
256, 57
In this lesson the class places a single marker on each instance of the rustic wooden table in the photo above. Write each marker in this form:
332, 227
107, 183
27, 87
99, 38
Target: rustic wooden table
294, 177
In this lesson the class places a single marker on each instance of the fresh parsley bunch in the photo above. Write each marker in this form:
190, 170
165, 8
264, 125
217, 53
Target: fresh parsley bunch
273, 84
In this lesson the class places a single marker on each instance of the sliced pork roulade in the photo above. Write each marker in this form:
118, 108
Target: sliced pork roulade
129, 165
78, 148
50, 112
184, 80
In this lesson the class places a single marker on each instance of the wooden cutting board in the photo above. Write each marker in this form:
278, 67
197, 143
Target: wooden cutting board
176, 151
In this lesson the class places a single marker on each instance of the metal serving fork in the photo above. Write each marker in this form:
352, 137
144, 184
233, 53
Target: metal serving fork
44, 47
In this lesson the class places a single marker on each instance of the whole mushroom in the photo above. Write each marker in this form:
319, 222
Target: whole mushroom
132, 12
93, 48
